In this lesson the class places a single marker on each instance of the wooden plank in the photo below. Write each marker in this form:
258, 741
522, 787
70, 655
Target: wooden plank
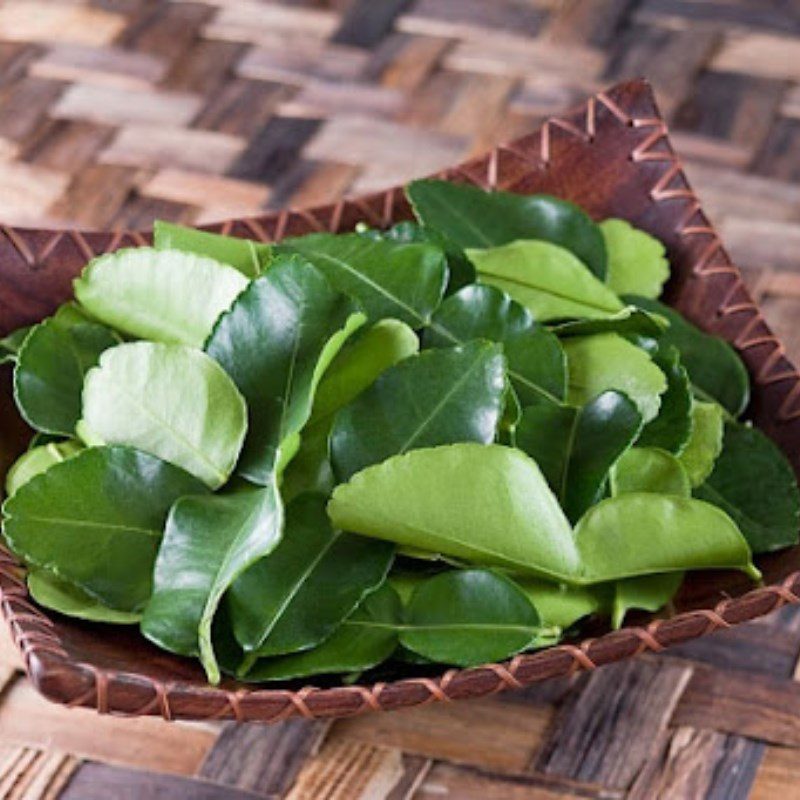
36, 775
699, 763
100, 782
94, 196
320, 99
755, 242
252, 21
510, 733
241, 107
66, 145
43, 21
294, 59
778, 775
403, 62
116, 106
273, 149
470, 19
746, 704
23, 106
319, 183
479, 104
780, 155
27, 191
263, 759
223, 195
101, 66
767, 55
467, 783
593, 22
606, 732
681, 14
28, 719
155, 147
139, 213
205, 67
348, 771
366, 22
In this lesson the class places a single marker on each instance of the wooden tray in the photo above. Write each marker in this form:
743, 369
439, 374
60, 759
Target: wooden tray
613, 157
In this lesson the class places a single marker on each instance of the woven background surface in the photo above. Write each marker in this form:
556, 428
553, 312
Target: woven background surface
115, 112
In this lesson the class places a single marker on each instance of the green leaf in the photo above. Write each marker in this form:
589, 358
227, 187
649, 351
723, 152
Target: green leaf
630, 322
469, 617
671, 429
705, 444
562, 605
365, 639
38, 460
249, 257
356, 367
510, 518
641, 534
50, 591
50, 369
276, 342
536, 362
460, 269
576, 447
210, 540
276, 605
715, 369
96, 520
169, 400
648, 469
473, 218
10, 345
637, 262
649, 593
437, 397
606, 361
403, 281
547, 279
485, 504
754, 484
164, 295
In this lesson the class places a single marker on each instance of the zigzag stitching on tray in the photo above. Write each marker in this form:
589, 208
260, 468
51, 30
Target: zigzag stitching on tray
771, 371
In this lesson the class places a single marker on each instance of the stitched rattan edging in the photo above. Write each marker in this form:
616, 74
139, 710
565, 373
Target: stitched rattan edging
735, 316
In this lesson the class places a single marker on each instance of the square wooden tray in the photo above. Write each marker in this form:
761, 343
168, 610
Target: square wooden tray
613, 157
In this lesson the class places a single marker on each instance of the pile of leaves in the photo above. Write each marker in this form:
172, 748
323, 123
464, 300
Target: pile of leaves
450, 441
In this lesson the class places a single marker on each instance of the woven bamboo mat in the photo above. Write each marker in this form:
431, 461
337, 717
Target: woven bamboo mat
116, 112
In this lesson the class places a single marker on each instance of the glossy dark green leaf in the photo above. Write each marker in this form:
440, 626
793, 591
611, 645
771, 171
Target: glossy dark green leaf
315, 577
169, 400
473, 218
648, 593
648, 469
576, 447
437, 397
37, 460
469, 617
536, 362
510, 518
637, 263
705, 443
547, 279
358, 364
754, 483
606, 361
96, 520
276, 342
715, 369
209, 541
52, 592
51, 365
365, 639
672, 428
460, 268
402, 281
164, 295
251, 258
630, 322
